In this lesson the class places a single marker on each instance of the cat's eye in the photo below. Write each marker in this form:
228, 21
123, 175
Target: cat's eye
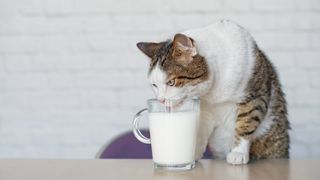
154, 85
171, 82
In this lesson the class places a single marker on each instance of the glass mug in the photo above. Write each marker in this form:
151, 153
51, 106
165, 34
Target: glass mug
173, 130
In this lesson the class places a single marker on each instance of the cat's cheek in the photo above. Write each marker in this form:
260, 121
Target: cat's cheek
175, 93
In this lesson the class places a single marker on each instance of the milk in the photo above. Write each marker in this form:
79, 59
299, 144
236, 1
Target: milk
173, 136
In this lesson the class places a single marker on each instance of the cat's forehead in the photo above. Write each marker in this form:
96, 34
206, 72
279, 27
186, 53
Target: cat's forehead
165, 65
161, 55
157, 75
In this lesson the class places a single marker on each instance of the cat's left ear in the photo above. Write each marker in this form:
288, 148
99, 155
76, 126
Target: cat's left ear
149, 48
184, 44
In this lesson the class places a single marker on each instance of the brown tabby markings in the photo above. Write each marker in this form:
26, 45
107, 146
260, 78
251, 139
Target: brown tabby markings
171, 61
252, 110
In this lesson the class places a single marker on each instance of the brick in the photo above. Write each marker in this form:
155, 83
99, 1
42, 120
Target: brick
261, 22
23, 82
302, 115
110, 79
33, 44
314, 79
293, 78
193, 6
97, 24
290, 94
281, 59
59, 7
308, 59
306, 96
181, 21
56, 100
303, 5
100, 43
78, 44
93, 7
17, 63
39, 25
302, 20
283, 41
141, 24
126, 60
306, 20
110, 44
307, 138
244, 5
74, 62
11, 101
273, 5
32, 7
134, 98
54, 43
315, 41
143, 6
45, 62
267, 22
299, 151
26, 7
60, 81
10, 7
2, 64
315, 4
100, 99
9, 44
314, 19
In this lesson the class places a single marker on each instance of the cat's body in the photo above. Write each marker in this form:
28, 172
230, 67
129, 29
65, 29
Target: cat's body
243, 110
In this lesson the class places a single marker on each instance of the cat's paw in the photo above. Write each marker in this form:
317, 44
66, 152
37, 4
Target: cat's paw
237, 158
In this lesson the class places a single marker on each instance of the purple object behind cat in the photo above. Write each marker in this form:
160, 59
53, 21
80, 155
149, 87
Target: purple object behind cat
127, 146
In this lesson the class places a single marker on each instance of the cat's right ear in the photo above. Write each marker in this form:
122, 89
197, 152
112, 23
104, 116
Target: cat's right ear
148, 48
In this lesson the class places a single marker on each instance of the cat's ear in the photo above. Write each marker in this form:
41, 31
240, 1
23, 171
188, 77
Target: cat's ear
148, 48
184, 44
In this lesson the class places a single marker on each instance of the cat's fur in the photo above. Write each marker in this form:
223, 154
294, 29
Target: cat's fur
243, 109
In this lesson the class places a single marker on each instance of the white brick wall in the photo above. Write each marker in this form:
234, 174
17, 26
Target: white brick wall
71, 77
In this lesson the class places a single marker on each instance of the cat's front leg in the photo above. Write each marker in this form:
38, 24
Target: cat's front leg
205, 128
250, 114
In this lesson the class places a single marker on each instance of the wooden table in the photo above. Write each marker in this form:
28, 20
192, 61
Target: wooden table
143, 170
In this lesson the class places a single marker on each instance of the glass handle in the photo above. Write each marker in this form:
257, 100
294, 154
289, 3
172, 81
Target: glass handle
137, 133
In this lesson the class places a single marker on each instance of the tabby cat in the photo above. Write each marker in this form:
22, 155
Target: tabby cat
243, 109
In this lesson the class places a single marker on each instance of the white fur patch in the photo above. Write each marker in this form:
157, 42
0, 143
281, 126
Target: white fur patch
240, 154
158, 77
222, 118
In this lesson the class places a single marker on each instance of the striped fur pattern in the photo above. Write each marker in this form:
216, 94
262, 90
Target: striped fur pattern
264, 94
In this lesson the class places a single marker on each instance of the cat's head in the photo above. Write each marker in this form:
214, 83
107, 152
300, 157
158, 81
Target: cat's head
177, 71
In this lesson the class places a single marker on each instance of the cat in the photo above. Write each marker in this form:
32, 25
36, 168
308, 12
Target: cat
243, 109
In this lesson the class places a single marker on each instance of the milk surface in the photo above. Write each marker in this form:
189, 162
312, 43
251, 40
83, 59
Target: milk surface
173, 136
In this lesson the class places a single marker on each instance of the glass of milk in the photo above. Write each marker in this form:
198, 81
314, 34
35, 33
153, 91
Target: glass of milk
173, 130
